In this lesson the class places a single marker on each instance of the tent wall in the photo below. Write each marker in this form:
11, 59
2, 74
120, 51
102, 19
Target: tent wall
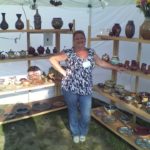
81, 17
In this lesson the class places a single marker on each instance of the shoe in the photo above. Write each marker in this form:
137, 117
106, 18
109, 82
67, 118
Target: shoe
76, 139
82, 138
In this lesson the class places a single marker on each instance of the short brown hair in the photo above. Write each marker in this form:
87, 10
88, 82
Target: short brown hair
78, 32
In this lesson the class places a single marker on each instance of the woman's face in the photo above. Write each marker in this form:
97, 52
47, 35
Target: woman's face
79, 41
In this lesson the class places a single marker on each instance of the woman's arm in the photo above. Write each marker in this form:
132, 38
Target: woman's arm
106, 65
55, 61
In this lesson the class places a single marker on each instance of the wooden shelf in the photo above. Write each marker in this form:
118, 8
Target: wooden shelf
14, 89
114, 127
128, 107
138, 73
27, 58
120, 38
63, 31
33, 113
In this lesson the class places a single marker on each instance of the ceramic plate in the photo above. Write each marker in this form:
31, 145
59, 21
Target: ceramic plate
143, 142
125, 130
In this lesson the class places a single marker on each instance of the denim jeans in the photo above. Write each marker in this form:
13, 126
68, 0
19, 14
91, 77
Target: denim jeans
79, 112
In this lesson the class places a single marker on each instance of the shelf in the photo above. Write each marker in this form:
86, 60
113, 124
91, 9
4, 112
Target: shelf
14, 89
63, 31
33, 113
128, 107
114, 126
24, 58
138, 73
120, 38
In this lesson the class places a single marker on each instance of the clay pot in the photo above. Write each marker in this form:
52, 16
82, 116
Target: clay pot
116, 29
37, 20
145, 29
4, 24
19, 24
130, 29
57, 23
40, 50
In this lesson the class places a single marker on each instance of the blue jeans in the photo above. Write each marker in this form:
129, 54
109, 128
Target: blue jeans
79, 111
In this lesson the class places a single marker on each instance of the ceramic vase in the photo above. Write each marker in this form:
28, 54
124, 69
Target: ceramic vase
130, 29
57, 23
145, 29
4, 24
116, 29
37, 20
19, 24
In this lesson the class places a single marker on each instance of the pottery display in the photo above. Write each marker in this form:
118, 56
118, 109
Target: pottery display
19, 24
4, 24
57, 23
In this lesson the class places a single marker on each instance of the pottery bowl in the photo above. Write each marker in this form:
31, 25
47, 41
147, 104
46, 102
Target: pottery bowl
110, 109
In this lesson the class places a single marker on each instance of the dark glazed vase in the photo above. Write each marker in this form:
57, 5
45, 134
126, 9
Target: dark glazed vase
116, 29
19, 24
57, 23
4, 24
145, 29
130, 29
37, 20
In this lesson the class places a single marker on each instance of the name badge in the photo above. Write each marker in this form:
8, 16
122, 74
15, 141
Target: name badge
86, 64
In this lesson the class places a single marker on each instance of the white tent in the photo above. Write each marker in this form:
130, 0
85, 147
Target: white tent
100, 14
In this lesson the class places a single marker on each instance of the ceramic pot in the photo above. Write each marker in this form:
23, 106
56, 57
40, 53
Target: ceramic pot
37, 20
40, 50
116, 29
19, 24
130, 29
145, 29
105, 57
48, 51
57, 23
70, 25
114, 60
4, 24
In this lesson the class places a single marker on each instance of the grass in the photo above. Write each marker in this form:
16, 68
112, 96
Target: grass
50, 132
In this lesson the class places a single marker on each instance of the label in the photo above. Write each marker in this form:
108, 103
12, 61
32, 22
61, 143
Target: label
86, 64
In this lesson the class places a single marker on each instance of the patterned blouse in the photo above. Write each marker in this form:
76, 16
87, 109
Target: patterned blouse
78, 78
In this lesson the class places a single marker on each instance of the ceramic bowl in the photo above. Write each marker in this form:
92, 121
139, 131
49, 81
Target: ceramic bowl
110, 109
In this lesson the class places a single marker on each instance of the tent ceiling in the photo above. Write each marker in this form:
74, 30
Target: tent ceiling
69, 3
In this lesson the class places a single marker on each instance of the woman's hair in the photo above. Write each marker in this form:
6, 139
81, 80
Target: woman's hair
78, 32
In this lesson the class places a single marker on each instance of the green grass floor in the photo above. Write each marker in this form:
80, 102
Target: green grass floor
50, 132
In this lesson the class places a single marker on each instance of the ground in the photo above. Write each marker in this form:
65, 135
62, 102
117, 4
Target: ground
51, 132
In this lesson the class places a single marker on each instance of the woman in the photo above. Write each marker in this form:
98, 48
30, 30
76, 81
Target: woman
77, 82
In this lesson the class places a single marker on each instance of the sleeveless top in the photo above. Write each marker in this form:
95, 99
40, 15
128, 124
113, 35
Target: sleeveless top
78, 79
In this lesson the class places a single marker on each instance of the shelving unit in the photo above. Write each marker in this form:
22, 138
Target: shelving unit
135, 111
99, 112
14, 89
33, 113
